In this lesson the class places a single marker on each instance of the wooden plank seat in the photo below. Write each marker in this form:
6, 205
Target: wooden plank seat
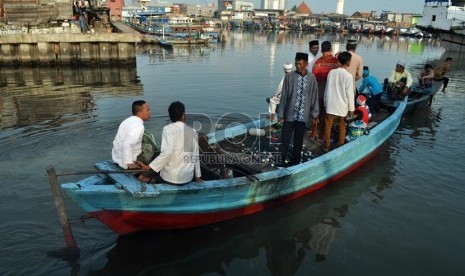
127, 181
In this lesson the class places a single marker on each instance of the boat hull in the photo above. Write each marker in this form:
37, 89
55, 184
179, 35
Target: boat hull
165, 206
423, 97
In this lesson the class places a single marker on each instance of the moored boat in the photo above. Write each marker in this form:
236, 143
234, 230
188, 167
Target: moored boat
444, 18
124, 204
418, 97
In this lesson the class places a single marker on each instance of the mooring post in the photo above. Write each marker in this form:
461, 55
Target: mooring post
71, 246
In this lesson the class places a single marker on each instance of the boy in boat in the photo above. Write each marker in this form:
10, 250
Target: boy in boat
274, 101
127, 145
359, 122
426, 77
375, 90
179, 159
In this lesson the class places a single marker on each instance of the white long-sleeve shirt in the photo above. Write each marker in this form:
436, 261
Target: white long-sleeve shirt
127, 144
339, 93
179, 157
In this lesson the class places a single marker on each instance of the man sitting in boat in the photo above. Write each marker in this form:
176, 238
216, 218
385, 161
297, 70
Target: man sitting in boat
426, 77
398, 90
274, 101
127, 145
179, 159
399, 73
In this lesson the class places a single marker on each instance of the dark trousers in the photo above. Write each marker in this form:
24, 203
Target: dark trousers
445, 80
374, 103
298, 129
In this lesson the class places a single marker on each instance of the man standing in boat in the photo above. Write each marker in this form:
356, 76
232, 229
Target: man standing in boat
356, 63
299, 103
339, 99
323, 65
313, 48
127, 145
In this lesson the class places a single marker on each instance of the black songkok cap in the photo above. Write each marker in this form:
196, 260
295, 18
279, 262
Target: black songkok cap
301, 56
351, 42
313, 43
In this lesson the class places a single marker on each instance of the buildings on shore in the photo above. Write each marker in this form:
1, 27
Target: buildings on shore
41, 12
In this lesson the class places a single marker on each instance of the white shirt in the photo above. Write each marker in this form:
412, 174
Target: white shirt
339, 92
311, 62
128, 141
179, 157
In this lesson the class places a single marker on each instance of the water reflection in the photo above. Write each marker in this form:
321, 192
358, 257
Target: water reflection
34, 95
280, 239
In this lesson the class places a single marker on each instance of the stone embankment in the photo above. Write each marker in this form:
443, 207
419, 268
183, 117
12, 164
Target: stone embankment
65, 44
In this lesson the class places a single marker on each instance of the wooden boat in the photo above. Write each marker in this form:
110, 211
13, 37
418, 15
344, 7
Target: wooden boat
124, 204
419, 96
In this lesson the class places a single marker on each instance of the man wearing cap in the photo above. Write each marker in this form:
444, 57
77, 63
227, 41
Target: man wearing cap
313, 48
322, 66
356, 63
399, 73
299, 104
275, 100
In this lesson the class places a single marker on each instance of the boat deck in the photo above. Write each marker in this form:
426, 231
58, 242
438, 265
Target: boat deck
247, 154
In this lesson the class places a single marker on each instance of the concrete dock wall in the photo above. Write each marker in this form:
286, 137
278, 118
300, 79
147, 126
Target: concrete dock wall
70, 48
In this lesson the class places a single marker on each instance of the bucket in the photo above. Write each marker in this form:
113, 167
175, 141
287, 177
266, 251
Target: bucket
356, 129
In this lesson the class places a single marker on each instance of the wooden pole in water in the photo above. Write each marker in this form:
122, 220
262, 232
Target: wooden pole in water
71, 246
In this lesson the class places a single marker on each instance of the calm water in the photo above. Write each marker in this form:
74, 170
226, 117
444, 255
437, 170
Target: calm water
400, 214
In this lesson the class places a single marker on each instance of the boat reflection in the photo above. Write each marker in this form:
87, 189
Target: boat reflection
281, 238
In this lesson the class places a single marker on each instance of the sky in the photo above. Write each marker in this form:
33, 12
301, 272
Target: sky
350, 6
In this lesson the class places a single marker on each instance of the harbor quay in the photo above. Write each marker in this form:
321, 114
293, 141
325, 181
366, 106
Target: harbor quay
64, 48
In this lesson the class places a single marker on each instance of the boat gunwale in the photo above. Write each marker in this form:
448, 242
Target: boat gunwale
268, 175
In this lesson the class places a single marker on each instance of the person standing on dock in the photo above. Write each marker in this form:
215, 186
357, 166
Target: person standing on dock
299, 103
127, 145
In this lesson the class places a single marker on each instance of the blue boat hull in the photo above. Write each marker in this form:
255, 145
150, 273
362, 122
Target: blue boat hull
127, 208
